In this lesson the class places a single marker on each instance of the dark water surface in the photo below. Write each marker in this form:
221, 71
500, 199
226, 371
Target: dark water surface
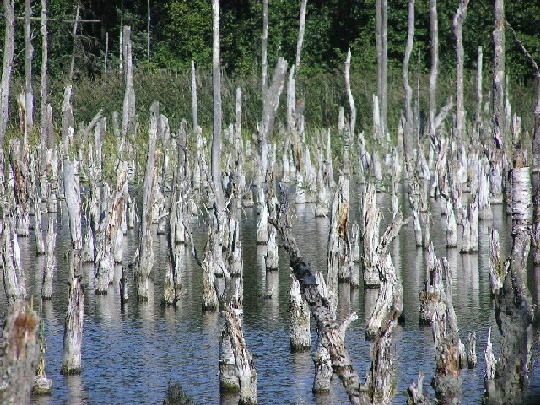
129, 356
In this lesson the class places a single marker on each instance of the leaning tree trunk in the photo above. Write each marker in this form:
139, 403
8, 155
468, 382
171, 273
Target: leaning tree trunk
19, 353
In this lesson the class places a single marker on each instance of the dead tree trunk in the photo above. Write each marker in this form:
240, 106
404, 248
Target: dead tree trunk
447, 380
7, 68
507, 378
194, 109
457, 24
14, 280
479, 89
19, 353
28, 58
301, 30
73, 201
145, 260
331, 333
499, 38
264, 50
128, 108
300, 334
237, 372
372, 219
350, 98
434, 38
45, 136
50, 261
408, 135
73, 326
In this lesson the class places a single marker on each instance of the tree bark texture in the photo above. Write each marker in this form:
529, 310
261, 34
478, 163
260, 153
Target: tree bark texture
19, 353
7, 68
457, 24
145, 262
499, 79
73, 326
28, 58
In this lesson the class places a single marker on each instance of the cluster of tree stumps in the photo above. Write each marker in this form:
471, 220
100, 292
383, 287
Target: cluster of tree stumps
454, 169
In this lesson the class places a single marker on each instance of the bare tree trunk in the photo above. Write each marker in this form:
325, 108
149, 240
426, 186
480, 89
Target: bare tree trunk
148, 30
216, 138
73, 327
19, 354
264, 50
75, 42
128, 109
479, 91
434, 37
237, 371
145, 261
7, 68
350, 98
301, 30
383, 84
194, 112
45, 136
499, 38
28, 57
408, 133
457, 24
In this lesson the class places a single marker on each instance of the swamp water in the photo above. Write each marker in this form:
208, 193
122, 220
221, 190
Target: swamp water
130, 354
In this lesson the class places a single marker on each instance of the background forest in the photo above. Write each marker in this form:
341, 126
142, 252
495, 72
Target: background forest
167, 35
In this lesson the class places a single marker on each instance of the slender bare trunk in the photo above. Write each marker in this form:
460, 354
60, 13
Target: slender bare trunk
75, 42
350, 98
264, 50
301, 30
7, 68
216, 138
194, 112
434, 36
408, 142
128, 108
479, 92
499, 38
457, 24
44, 77
28, 57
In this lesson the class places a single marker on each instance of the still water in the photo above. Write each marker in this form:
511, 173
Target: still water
130, 355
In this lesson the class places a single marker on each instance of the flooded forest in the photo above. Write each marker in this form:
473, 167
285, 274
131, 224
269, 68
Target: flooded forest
153, 259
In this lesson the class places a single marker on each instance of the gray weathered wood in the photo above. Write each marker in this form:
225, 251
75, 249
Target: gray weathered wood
499, 38
457, 25
7, 68
145, 262
236, 362
19, 353
73, 326
128, 107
